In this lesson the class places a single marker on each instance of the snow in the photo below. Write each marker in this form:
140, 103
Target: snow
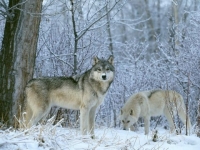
55, 137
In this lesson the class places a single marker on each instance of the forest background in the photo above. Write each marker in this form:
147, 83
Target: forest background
155, 45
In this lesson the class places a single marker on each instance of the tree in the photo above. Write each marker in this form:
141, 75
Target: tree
17, 55
93, 20
198, 120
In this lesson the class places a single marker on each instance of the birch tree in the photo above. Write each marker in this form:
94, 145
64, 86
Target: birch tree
17, 55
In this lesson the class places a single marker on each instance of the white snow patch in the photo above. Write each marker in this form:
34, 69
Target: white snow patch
49, 137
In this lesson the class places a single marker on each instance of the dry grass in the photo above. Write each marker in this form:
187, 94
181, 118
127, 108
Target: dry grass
55, 137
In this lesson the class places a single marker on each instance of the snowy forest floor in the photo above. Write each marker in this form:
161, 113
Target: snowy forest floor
55, 137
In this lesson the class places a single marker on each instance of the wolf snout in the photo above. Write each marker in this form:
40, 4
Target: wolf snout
104, 76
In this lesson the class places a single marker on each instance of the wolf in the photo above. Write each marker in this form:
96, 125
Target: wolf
85, 93
153, 103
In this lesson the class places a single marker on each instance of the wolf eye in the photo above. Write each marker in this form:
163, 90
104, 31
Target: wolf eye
123, 121
128, 121
98, 69
108, 69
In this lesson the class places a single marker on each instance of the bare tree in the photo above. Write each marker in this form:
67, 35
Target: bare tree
17, 55
91, 22
150, 23
109, 32
198, 120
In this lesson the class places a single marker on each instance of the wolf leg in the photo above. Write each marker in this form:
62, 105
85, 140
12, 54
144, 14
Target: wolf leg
37, 116
146, 124
84, 120
182, 115
169, 116
92, 120
28, 115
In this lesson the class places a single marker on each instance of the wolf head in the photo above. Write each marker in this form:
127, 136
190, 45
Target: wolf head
103, 70
127, 118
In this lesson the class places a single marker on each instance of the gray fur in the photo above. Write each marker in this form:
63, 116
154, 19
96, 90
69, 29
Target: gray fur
85, 93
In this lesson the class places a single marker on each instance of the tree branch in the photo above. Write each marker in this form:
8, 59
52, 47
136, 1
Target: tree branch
98, 19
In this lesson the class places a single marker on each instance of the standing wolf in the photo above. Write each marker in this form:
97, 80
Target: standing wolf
153, 103
84, 93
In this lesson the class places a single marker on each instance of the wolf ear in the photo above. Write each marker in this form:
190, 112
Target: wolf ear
111, 59
95, 60
141, 101
131, 113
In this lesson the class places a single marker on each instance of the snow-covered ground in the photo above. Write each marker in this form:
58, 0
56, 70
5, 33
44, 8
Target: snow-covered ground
54, 137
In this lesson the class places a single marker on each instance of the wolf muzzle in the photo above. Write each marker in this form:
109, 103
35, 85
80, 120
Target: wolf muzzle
104, 76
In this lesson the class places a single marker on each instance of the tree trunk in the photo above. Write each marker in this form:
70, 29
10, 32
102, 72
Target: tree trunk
75, 37
150, 24
159, 19
109, 31
176, 21
6, 63
17, 55
198, 120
